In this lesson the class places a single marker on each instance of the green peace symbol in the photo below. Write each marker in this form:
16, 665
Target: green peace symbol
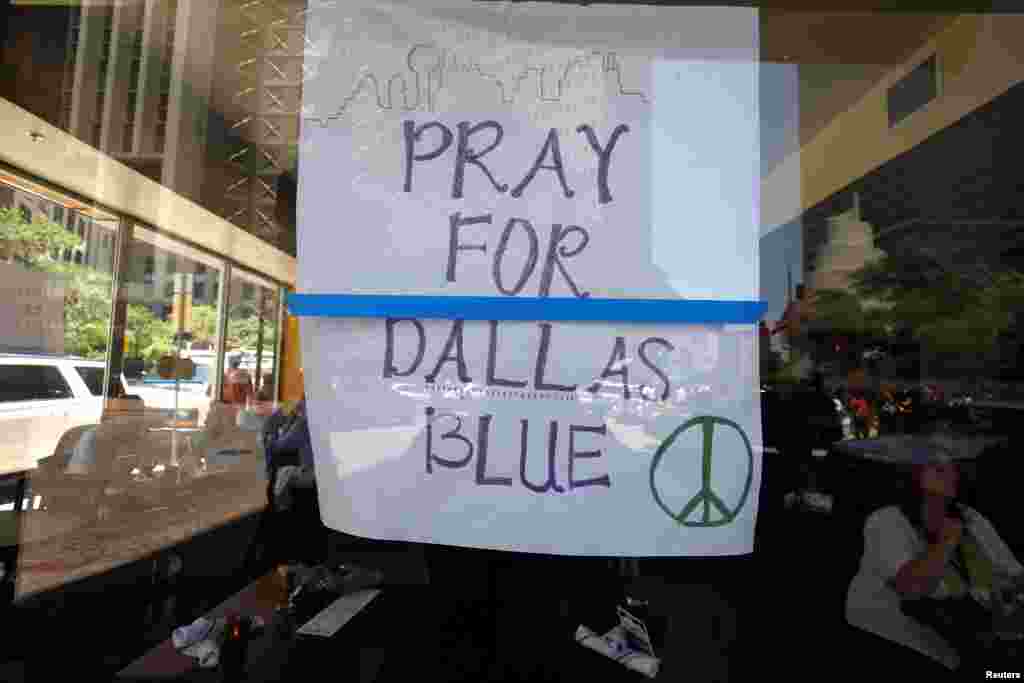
706, 495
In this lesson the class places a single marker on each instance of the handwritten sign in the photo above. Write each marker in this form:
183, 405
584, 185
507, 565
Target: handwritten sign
473, 165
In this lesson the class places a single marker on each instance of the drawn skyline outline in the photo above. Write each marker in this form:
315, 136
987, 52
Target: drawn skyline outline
428, 80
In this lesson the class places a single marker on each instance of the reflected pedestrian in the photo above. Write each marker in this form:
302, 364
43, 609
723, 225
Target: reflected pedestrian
238, 386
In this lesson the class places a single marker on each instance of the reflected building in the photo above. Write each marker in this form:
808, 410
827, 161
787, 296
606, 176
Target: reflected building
849, 247
918, 163
201, 96
97, 242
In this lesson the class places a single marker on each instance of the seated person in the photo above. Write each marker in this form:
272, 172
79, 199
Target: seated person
929, 546
289, 454
237, 382
291, 528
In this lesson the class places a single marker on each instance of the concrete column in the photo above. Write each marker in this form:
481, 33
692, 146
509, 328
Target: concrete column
192, 69
119, 105
87, 83
119, 316
156, 57
223, 305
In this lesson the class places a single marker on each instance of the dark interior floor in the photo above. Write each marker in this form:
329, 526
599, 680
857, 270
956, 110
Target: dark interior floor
506, 617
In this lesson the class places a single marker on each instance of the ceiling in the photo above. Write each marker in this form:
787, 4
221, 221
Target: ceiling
840, 55
828, 37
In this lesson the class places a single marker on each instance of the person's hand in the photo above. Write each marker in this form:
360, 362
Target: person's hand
951, 533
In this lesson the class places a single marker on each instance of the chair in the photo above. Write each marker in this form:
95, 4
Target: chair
59, 489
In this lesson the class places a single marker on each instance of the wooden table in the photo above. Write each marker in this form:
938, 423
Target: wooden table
272, 655
163, 662
458, 629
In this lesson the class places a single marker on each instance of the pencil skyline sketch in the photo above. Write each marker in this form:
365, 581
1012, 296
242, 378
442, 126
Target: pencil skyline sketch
429, 68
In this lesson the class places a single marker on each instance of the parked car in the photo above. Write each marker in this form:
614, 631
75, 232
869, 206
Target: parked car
42, 397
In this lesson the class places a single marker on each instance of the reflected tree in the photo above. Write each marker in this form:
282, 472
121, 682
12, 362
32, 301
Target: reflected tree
958, 315
37, 243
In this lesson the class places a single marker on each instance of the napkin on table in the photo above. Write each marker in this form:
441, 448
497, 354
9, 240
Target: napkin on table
615, 645
201, 640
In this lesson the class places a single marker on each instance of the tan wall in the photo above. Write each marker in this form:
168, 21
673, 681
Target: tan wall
979, 58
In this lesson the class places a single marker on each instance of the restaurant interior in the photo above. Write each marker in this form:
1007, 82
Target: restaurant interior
149, 359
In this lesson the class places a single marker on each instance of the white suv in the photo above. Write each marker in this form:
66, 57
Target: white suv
41, 397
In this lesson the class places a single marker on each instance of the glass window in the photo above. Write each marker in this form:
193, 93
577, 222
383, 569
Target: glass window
147, 100
93, 378
168, 321
890, 258
177, 462
890, 223
53, 301
32, 383
913, 91
251, 342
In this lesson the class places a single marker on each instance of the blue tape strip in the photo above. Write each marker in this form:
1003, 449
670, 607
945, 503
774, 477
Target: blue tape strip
515, 308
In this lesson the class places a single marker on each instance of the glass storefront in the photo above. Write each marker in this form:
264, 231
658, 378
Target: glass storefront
57, 275
251, 339
125, 454
171, 294
148, 190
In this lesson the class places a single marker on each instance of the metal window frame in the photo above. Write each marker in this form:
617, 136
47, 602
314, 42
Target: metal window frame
124, 233
223, 298
118, 314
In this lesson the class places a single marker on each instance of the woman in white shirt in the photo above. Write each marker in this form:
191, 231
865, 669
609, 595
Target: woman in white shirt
929, 546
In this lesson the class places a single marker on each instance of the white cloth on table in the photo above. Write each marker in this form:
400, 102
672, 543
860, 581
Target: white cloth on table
201, 640
615, 645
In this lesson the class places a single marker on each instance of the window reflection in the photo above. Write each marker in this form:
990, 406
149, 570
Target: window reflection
896, 347
894, 283
251, 342
128, 469
55, 300
130, 456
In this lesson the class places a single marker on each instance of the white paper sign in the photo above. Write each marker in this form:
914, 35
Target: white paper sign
519, 151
